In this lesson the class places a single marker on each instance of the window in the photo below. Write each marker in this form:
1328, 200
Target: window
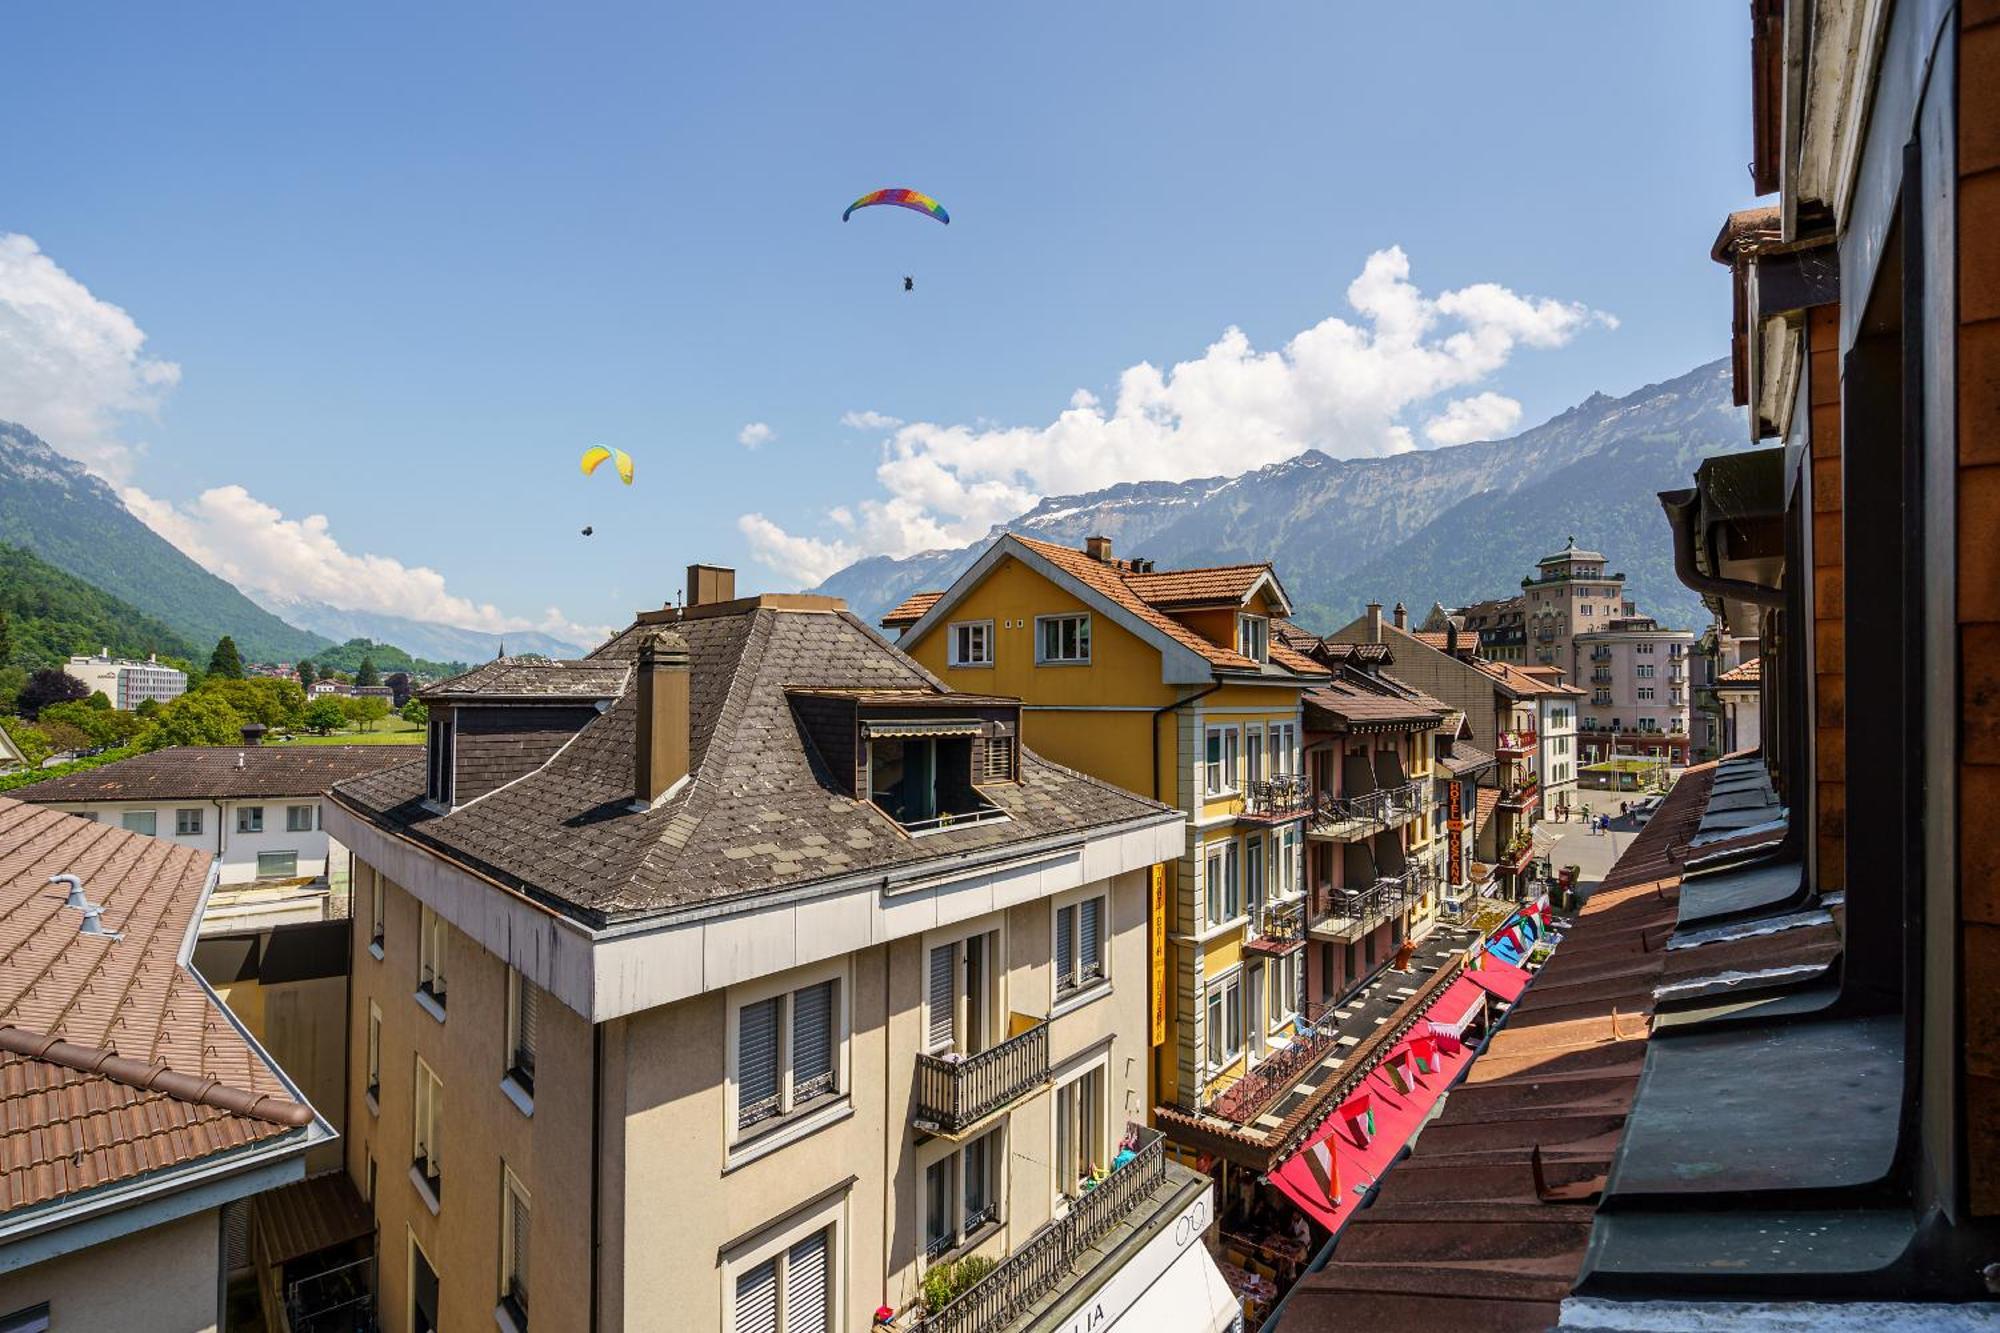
438, 783
523, 997
514, 1248
428, 1122
1062, 638
788, 1054
1079, 1132
972, 643
187, 823
374, 1056
792, 1291
1220, 761
377, 891
141, 821
430, 955
1225, 890
249, 819
961, 1194
299, 818
1080, 945
960, 985
1253, 637
1225, 1020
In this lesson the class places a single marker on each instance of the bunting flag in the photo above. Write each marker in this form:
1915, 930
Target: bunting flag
1359, 1112
1325, 1170
1425, 1050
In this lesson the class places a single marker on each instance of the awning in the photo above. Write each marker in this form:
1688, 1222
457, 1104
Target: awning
915, 728
1190, 1296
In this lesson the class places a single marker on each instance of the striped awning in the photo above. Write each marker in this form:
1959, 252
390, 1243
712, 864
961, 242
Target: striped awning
914, 728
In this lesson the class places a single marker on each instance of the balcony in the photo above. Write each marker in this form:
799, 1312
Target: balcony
1284, 796
1514, 744
1011, 1294
1348, 818
954, 1094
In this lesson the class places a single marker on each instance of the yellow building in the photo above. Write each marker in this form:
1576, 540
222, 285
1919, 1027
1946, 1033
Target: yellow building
1169, 683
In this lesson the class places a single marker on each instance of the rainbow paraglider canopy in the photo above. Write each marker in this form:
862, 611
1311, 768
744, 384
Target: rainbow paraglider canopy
914, 200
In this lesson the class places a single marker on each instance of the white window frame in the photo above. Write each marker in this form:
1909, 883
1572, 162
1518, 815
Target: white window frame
1084, 989
790, 1117
982, 630
510, 1189
1253, 636
1083, 657
433, 986
1219, 990
1100, 1152
940, 1151
1222, 775
779, 1237
1229, 852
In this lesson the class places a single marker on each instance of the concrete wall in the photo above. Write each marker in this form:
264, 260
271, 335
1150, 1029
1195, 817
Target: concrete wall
166, 1279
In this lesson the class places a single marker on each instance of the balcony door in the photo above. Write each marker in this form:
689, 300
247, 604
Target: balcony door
961, 1004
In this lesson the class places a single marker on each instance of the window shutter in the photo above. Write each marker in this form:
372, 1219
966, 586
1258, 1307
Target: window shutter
812, 1040
757, 1299
1091, 944
1065, 945
757, 1062
944, 972
805, 1286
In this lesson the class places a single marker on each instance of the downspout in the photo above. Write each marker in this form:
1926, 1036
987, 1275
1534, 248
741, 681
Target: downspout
1680, 507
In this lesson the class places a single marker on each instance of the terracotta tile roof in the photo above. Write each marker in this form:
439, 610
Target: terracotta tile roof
62, 1128
210, 773
762, 808
1487, 1221
910, 610
1116, 582
1750, 673
516, 678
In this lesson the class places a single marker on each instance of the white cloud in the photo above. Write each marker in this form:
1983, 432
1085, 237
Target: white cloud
1343, 386
755, 434
253, 545
869, 420
72, 367
1484, 416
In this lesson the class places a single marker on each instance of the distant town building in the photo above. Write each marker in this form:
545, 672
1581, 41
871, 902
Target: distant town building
1638, 701
127, 683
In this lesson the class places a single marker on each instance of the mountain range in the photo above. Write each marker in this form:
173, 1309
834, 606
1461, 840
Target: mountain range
1452, 525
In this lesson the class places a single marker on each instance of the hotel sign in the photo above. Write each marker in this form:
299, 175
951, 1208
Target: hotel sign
1158, 989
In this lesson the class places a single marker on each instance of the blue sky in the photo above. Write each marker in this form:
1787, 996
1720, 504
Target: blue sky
408, 261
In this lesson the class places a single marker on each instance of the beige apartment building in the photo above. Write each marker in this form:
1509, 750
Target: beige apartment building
740, 976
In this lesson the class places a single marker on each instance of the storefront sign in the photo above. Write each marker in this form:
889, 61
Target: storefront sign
1158, 989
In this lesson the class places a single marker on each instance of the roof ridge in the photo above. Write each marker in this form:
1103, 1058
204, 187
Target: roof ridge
157, 1076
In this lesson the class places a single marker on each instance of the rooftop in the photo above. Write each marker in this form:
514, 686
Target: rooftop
762, 808
116, 1062
220, 773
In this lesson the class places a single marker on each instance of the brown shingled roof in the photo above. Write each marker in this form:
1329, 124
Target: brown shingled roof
211, 773
180, 1063
910, 610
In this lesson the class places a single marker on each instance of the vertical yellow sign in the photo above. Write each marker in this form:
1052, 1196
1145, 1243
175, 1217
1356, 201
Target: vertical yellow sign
1159, 980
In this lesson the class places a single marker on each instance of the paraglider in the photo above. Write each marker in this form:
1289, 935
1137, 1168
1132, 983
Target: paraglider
914, 200
594, 457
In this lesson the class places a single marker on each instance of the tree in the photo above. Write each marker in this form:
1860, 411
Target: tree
414, 711
306, 675
49, 686
200, 718
225, 661
399, 684
366, 711
366, 674
325, 716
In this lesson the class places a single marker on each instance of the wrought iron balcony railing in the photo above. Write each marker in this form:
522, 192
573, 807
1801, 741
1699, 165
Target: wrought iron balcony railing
1049, 1256
1279, 797
955, 1094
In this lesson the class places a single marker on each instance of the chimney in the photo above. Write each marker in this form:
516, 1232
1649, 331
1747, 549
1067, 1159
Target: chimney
709, 584
1451, 635
1402, 616
1374, 622
660, 740
1098, 549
